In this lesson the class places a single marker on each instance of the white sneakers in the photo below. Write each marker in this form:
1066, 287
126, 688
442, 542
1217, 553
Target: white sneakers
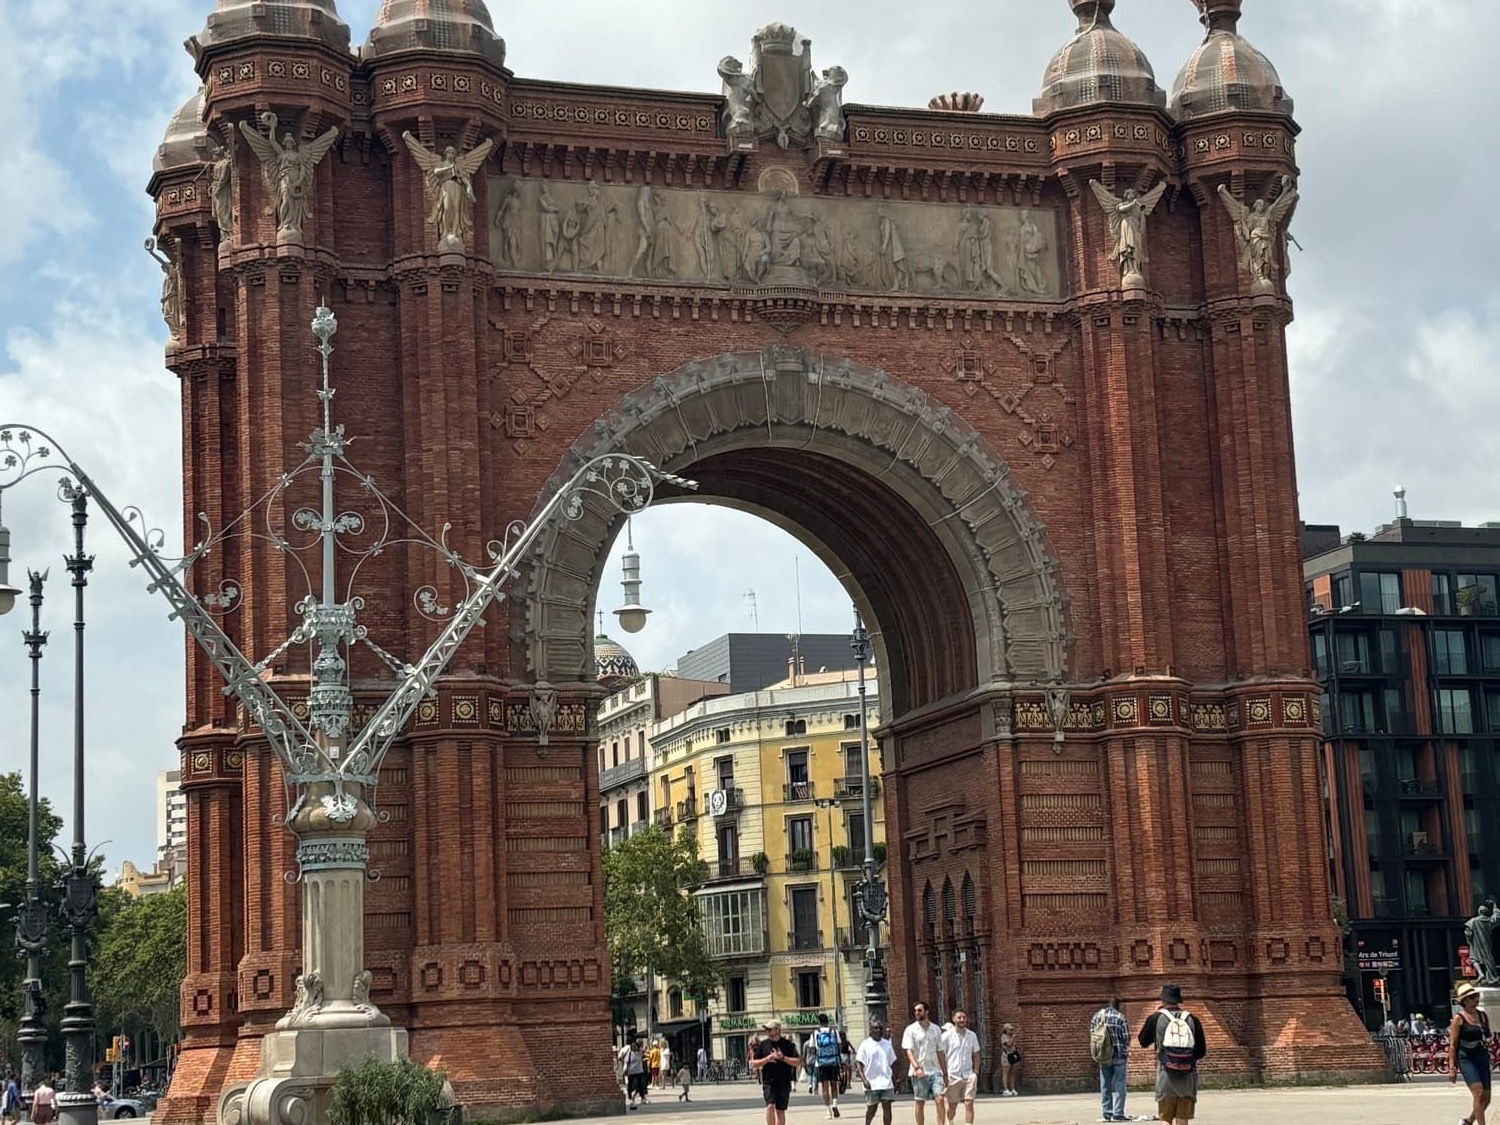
1010, 1093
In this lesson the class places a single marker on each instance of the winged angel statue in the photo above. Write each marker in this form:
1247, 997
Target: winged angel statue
1257, 227
448, 181
1127, 216
288, 169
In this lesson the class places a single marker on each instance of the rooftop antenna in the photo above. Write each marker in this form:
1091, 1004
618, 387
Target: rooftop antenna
754, 611
1400, 501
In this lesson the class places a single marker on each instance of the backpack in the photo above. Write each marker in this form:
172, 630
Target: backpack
1102, 1043
1176, 1039
827, 1044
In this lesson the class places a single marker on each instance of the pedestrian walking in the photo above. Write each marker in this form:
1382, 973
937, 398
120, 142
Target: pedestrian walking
923, 1043
961, 1049
846, 1062
702, 1064
43, 1103
633, 1066
776, 1063
1010, 1060
1178, 1038
665, 1062
1468, 1051
1109, 1045
10, 1100
875, 1066
825, 1049
653, 1061
684, 1080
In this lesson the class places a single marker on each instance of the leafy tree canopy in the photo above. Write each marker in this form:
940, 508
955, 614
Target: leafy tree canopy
651, 920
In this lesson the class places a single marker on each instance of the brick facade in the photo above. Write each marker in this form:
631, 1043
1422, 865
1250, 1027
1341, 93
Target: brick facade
1071, 521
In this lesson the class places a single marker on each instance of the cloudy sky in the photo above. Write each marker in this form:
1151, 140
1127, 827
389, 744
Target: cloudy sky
1398, 306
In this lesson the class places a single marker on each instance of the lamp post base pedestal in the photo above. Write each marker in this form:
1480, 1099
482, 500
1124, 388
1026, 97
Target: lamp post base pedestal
297, 1071
77, 1109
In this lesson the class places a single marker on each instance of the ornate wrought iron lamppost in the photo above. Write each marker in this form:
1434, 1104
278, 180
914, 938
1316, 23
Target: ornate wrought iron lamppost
870, 890
31, 920
330, 768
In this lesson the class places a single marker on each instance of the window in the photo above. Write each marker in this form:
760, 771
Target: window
1449, 652
1476, 594
1416, 893
1492, 709
674, 1003
1395, 711
622, 813
615, 750
642, 806
1343, 591
851, 722
734, 923
724, 770
1455, 711
721, 736
796, 727
799, 836
1467, 769
1473, 834
1320, 655
1380, 592
1390, 651
856, 823
604, 821
1489, 651
1442, 594
798, 783
804, 910
734, 994
1353, 651
729, 850
851, 761
1367, 769
810, 989
1356, 712
640, 744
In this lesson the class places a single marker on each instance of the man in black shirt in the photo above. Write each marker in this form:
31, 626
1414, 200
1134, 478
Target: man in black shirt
776, 1059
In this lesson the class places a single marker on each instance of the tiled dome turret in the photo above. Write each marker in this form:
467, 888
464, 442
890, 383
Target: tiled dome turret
1098, 66
613, 666
460, 26
186, 139
302, 19
1226, 72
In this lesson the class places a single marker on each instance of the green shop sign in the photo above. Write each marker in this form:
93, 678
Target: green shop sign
732, 1023
799, 1019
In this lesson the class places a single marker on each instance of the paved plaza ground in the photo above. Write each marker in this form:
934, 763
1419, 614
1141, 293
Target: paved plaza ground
1425, 1100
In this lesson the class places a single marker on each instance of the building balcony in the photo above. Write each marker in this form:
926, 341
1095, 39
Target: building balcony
687, 809
799, 940
853, 788
623, 774
803, 859
1418, 847
662, 818
847, 858
637, 826
734, 867
734, 800
1419, 789
616, 836
798, 791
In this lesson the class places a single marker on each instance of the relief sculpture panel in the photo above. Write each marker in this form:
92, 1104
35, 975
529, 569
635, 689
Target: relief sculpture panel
774, 238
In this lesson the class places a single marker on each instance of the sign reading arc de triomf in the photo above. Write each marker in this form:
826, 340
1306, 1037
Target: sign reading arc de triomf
1021, 380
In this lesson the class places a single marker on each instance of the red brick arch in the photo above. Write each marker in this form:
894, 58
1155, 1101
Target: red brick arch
906, 503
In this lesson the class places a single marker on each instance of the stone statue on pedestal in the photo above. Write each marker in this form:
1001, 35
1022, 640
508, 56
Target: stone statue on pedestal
1257, 228
288, 170
1127, 216
1480, 934
448, 183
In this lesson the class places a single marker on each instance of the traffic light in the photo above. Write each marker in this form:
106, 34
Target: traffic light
1380, 993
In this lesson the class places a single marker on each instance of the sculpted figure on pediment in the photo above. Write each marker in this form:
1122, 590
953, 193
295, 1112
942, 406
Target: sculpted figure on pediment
654, 249
1127, 215
895, 272
448, 185
1257, 229
596, 222
508, 223
778, 96
171, 286
976, 250
288, 170
551, 220
221, 191
1031, 275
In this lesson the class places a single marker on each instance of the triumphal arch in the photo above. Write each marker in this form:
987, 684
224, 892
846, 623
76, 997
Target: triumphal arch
1020, 379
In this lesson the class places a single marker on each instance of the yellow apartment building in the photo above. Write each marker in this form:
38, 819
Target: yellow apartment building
769, 783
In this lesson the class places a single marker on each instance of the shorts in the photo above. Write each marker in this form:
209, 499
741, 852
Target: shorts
962, 1089
637, 1084
928, 1088
875, 1097
828, 1072
1474, 1068
777, 1094
1175, 1108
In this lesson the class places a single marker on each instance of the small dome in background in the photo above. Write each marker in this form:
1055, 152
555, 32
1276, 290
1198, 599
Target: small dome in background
460, 26
957, 102
1099, 66
186, 139
303, 19
1226, 72
613, 666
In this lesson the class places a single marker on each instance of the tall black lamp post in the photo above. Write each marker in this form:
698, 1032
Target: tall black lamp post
76, 1105
871, 888
31, 919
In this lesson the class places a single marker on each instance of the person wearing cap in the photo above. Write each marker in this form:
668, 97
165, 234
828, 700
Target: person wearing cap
1468, 1050
776, 1062
1178, 1038
875, 1066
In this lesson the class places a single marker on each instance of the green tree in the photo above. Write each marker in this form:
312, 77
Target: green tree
13, 834
651, 919
140, 961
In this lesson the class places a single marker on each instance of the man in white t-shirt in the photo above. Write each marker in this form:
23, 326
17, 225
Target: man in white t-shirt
961, 1047
874, 1066
923, 1043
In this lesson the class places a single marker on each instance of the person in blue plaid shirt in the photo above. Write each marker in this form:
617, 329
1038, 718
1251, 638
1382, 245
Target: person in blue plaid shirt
1109, 1044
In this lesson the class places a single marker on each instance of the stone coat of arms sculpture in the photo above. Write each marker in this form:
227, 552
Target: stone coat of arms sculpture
779, 97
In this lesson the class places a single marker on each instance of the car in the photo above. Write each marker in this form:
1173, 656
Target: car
117, 1109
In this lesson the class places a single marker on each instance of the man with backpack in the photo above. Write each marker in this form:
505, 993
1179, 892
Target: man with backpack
825, 1047
1109, 1044
1178, 1038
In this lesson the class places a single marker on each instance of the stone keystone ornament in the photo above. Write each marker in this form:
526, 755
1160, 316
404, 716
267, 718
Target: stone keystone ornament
779, 96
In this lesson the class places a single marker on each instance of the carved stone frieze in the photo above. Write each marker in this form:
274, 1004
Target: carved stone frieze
740, 240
